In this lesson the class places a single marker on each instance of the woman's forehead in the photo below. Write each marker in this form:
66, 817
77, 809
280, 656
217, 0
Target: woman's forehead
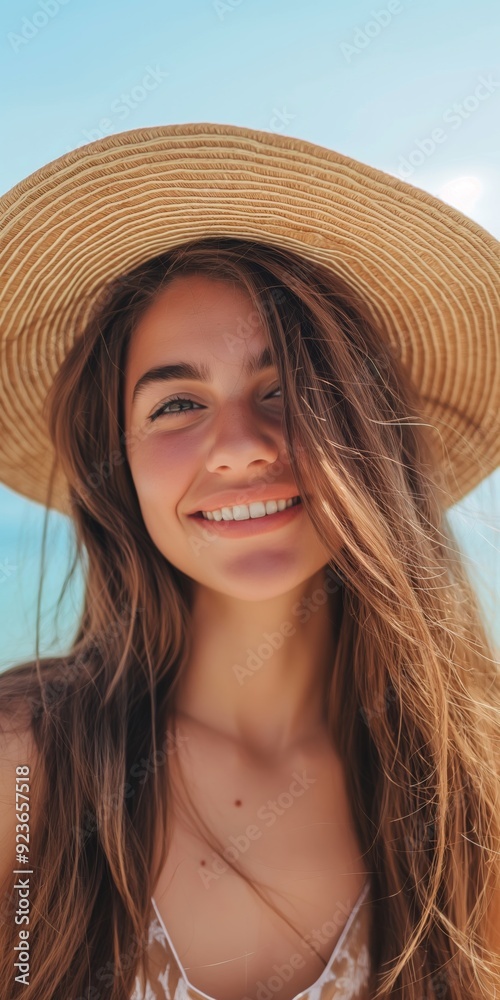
197, 315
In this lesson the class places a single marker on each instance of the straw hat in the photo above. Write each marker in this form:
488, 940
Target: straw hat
430, 275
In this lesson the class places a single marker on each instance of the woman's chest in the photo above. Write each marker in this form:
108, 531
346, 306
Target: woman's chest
290, 830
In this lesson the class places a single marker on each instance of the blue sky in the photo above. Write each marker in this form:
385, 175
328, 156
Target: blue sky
376, 81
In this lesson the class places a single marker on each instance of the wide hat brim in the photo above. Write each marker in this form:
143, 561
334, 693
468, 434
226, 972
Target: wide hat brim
429, 274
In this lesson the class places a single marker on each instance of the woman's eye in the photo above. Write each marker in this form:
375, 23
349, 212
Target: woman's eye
163, 411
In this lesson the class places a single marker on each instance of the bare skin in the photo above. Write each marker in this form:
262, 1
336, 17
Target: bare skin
290, 826
247, 730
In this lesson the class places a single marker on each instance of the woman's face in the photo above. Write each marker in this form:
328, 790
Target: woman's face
224, 447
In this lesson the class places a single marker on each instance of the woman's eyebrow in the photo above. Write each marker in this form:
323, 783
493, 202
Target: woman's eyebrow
199, 373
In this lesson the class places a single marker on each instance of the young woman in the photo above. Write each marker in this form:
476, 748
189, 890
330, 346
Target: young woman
269, 764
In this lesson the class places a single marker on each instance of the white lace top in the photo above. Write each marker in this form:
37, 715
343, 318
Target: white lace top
345, 977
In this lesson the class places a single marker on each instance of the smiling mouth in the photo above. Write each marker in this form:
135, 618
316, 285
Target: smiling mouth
250, 527
238, 520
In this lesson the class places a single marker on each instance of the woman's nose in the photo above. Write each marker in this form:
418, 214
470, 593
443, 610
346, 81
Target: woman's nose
241, 440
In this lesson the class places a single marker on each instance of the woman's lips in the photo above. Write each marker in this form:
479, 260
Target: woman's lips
250, 526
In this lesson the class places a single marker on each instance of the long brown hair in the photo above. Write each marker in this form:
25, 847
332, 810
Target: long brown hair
413, 704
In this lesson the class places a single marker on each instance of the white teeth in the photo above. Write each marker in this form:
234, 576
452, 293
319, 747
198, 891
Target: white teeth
243, 512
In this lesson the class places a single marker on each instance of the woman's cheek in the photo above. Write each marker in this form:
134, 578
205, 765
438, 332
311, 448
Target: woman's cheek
166, 463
